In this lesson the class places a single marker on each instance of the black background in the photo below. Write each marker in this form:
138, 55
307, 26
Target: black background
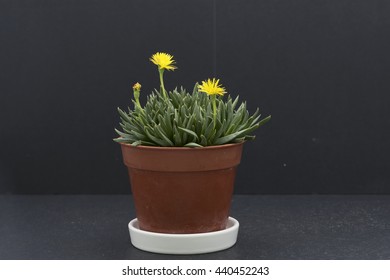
321, 68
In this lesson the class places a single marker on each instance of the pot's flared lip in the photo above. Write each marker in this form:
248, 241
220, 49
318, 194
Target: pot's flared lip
193, 243
158, 148
182, 159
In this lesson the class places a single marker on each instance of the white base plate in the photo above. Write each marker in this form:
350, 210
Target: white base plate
194, 243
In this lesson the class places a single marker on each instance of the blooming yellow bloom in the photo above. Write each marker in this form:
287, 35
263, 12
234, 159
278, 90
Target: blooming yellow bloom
137, 86
211, 87
163, 61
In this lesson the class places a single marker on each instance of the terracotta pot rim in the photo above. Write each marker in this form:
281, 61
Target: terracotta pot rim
159, 148
182, 159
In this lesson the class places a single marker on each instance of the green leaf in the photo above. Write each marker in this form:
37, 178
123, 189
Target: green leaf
230, 137
235, 102
136, 143
222, 129
254, 118
125, 116
250, 137
190, 122
264, 121
120, 133
168, 123
165, 126
159, 131
239, 140
156, 140
189, 132
209, 130
176, 137
229, 112
176, 117
203, 140
195, 90
192, 145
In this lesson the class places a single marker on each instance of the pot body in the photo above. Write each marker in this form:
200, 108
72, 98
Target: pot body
182, 190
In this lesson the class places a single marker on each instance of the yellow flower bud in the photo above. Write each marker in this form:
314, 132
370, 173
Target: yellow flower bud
136, 92
137, 86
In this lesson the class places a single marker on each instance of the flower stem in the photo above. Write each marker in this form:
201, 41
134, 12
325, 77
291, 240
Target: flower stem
138, 104
161, 72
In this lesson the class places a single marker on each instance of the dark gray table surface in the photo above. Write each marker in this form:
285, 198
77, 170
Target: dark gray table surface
271, 227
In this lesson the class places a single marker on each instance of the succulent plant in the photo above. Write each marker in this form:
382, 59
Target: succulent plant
181, 119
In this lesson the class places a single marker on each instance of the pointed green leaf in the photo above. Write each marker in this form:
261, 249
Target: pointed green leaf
189, 132
176, 137
156, 140
264, 121
193, 145
230, 137
159, 131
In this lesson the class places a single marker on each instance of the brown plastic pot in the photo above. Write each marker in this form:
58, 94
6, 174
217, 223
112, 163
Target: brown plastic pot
182, 190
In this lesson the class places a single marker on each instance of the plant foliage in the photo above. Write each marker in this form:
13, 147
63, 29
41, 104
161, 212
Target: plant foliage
183, 119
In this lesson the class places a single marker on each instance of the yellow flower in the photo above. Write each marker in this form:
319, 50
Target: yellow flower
137, 86
163, 61
211, 87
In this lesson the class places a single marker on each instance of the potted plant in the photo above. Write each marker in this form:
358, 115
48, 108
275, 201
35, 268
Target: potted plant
182, 150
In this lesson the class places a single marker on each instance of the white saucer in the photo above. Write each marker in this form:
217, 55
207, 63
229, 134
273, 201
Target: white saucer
195, 243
